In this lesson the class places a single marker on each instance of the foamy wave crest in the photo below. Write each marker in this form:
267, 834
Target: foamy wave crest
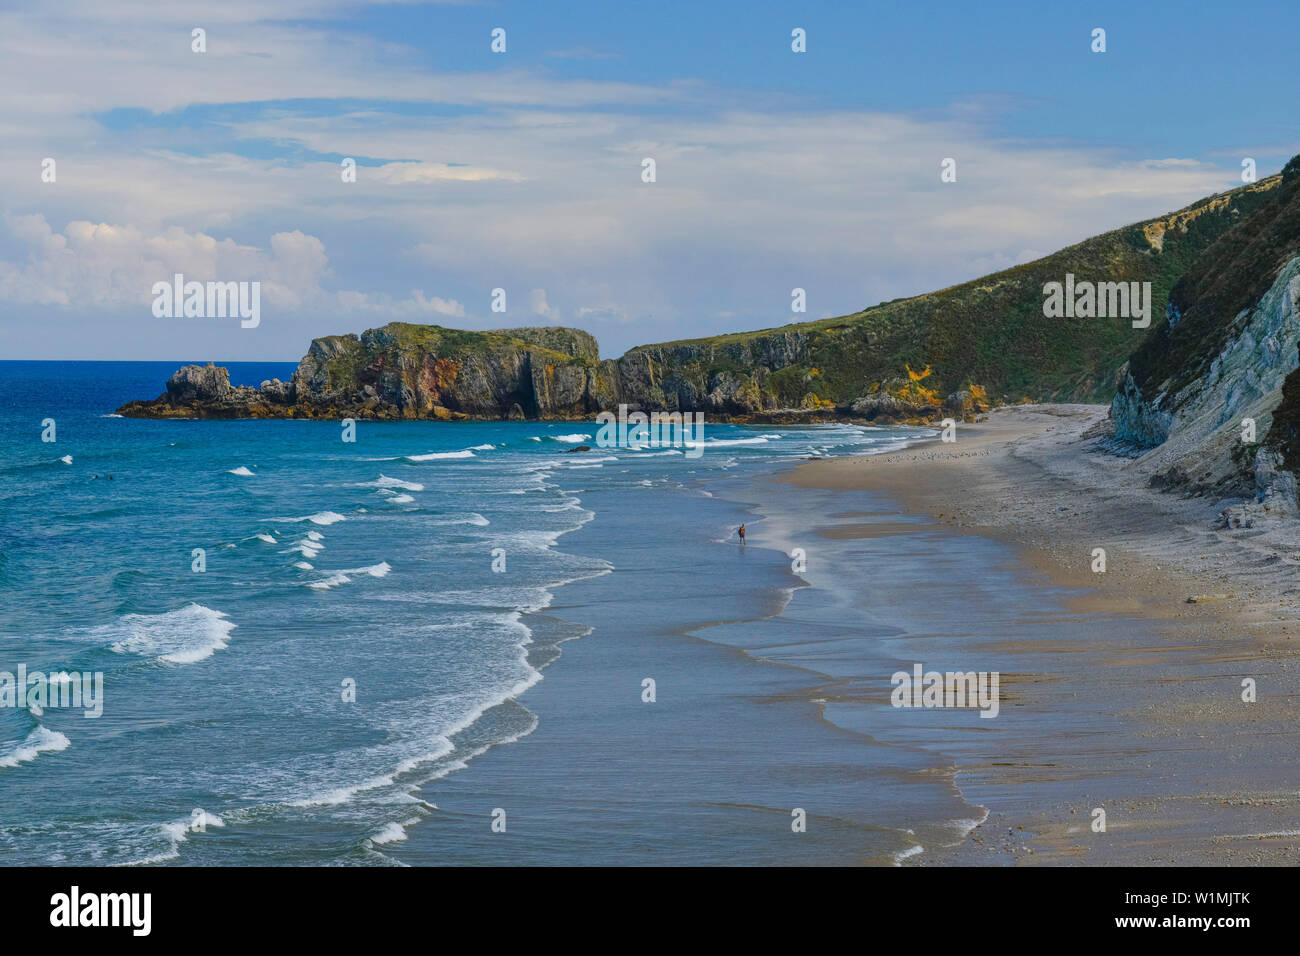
184, 636
435, 749
242, 471
902, 855
482, 447
39, 741
320, 517
383, 481
176, 833
571, 439
336, 578
399, 499
440, 455
266, 537
393, 832
308, 547
66, 459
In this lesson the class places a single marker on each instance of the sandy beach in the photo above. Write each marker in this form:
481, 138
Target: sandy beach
1194, 774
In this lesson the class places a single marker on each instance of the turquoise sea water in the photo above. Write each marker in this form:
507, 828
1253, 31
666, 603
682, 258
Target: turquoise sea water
225, 735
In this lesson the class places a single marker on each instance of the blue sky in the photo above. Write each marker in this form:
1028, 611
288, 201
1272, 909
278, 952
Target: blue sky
521, 170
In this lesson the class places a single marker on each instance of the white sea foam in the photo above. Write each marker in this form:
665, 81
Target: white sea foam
336, 578
66, 459
570, 504
393, 832
183, 636
303, 565
383, 481
400, 499
39, 741
320, 518
441, 747
902, 855
175, 833
482, 447
965, 826
440, 455
242, 471
571, 439
308, 549
305, 549
266, 537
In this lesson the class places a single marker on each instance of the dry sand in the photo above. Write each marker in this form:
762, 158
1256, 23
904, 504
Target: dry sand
1202, 777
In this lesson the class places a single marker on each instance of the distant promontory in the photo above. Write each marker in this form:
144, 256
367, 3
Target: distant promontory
953, 353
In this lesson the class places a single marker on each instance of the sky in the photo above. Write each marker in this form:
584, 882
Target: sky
522, 170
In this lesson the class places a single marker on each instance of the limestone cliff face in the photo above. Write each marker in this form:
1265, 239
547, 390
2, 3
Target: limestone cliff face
1242, 379
1227, 351
725, 378
982, 343
1198, 428
403, 371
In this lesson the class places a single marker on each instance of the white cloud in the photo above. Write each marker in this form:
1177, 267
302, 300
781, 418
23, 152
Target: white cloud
416, 305
537, 302
533, 185
99, 265
93, 266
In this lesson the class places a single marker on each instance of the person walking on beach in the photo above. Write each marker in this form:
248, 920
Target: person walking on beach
741, 531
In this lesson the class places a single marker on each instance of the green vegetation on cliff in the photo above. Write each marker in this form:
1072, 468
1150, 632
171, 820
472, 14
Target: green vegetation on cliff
1209, 300
990, 332
956, 351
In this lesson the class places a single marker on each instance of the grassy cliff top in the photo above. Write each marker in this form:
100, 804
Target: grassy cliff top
547, 342
1092, 250
990, 331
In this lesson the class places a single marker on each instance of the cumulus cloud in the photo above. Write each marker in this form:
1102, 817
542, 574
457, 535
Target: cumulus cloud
92, 266
97, 265
416, 305
537, 302
397, 174
532, 183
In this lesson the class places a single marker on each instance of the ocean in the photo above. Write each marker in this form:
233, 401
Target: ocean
309, 647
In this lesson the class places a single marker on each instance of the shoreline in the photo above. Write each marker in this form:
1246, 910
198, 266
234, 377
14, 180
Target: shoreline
706, 774
1032, 479
1160, 549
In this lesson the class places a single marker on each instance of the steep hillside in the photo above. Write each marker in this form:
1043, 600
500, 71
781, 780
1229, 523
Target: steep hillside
1226, 351
990, 333
953, 352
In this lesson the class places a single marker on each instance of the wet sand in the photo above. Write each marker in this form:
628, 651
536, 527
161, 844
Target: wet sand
1130, 699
